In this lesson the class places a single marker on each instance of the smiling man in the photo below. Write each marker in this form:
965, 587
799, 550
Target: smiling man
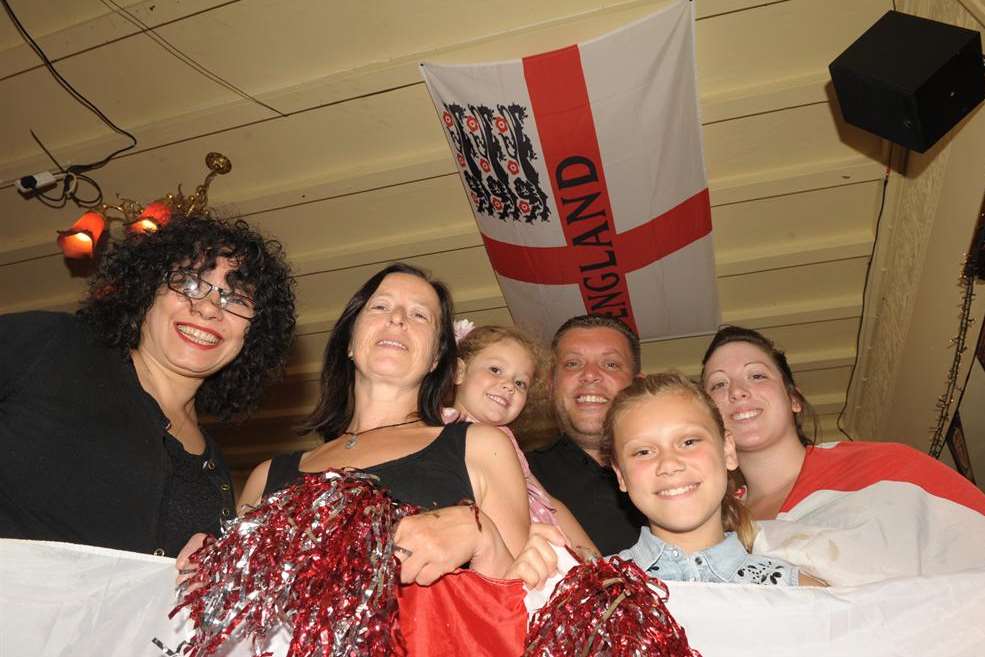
594, 358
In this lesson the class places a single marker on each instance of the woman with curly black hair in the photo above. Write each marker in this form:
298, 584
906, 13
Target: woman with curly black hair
99, 412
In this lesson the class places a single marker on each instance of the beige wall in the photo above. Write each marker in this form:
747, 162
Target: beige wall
912, 310
926, 355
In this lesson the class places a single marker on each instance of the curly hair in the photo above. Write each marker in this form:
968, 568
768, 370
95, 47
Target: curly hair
481, 337
336, 404
131, 274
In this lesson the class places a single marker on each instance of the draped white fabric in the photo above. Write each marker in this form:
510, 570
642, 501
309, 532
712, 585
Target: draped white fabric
69, 600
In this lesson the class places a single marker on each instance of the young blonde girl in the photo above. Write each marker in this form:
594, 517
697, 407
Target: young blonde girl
498, 366
667, 443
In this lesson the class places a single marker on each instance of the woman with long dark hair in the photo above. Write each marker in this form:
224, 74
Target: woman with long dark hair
389, 364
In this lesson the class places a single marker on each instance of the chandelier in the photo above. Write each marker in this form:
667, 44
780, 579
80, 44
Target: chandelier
83, 239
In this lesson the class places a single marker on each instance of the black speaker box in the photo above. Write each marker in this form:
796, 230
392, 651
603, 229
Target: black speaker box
910, 79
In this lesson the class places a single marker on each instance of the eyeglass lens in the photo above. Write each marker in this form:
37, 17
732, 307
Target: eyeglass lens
195, 287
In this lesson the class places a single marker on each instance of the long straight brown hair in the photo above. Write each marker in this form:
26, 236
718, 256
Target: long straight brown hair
335, 407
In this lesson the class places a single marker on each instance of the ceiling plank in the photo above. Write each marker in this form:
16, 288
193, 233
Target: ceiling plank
729, 264
737, 60
792, 254
735, 189
762, 97
65, 28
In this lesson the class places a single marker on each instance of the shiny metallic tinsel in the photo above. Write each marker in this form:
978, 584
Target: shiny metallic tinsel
317, 555
607, 607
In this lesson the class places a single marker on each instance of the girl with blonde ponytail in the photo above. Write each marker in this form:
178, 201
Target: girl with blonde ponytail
667, 443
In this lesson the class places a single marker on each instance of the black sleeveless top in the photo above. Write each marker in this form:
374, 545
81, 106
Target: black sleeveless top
433, 477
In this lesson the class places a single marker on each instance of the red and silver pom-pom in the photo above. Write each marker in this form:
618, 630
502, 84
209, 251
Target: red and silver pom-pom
607, 607
319, 555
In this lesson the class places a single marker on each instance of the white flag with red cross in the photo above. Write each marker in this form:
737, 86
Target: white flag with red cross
585, 173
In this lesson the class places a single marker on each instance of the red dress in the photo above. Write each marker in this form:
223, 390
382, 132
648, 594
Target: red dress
464, 613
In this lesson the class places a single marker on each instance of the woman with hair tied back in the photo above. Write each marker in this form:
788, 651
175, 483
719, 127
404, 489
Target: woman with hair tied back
850, 512
100, 411
389, 364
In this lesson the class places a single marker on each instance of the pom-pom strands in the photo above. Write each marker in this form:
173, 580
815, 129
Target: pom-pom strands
607, 607
318, 554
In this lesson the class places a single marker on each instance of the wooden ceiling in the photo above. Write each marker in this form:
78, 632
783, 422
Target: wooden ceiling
337, 152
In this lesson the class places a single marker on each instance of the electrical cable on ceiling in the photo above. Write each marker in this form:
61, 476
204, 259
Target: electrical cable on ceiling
183, 57
149, 31
865, 292
75, 172
58, 202
70, 184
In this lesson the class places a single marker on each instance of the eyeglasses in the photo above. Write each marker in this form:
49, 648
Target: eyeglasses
191, 285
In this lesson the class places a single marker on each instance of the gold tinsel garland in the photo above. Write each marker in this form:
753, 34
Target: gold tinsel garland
959, 342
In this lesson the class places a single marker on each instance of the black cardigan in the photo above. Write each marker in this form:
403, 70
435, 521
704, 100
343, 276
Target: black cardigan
83, 454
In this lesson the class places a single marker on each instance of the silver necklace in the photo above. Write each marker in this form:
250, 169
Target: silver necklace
354, 435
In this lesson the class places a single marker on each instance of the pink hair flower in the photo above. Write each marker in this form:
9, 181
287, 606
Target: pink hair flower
462, 328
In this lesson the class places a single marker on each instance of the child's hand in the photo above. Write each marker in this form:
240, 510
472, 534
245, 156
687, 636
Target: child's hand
537, 560
810, 580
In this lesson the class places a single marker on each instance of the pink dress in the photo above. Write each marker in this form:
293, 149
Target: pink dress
540, 504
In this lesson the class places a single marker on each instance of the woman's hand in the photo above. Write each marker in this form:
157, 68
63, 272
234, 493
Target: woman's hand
537, 560
435, 543
186, 569
252, 492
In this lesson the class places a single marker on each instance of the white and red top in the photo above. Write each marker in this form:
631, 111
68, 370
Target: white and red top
862, 512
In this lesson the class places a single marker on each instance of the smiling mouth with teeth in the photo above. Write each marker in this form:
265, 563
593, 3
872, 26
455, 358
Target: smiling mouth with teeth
391, 343
502, 401
675, 492
746, 415
591, 399
198, 336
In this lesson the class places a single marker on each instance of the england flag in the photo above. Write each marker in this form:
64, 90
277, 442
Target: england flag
585, 173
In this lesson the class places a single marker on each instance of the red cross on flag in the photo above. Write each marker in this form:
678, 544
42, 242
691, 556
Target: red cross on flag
585, 173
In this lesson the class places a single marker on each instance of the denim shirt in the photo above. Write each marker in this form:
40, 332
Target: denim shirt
727, 561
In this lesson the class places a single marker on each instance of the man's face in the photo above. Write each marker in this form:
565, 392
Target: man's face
592, 366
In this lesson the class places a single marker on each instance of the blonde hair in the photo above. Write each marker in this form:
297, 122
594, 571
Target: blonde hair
483, 336
735, 516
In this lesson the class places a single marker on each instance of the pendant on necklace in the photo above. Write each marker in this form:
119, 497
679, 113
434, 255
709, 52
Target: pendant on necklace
354, 435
